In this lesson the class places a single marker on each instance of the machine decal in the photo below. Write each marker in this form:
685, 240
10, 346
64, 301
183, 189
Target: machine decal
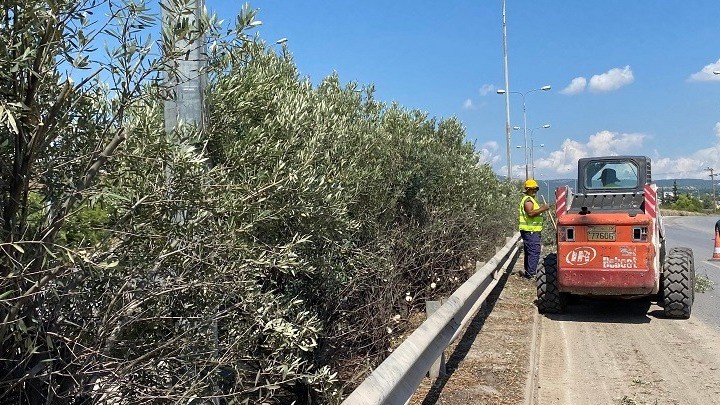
580, 256
628, 251
619, 262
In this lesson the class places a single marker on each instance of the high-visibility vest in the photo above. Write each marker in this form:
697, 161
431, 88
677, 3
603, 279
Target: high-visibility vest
528, 223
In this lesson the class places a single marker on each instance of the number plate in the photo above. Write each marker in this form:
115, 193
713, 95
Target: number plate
601, 233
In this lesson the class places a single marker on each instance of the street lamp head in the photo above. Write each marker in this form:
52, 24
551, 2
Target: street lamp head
545, 88
546, 126
542, 145
256, 23
519, 147
516, 128
281, 41
716, 72
500, 91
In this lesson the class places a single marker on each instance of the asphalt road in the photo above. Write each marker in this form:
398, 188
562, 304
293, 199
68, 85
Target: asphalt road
698, 233
626, 351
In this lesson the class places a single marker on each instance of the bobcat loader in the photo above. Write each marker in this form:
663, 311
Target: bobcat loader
611, 241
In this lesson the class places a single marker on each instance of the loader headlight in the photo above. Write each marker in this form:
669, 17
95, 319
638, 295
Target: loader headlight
640, 234
566, 233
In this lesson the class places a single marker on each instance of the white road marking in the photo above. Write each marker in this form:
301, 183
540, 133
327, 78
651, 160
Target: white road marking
711, 263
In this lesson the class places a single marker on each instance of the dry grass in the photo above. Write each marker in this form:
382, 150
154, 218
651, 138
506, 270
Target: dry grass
703, 283
489, 362
675, 213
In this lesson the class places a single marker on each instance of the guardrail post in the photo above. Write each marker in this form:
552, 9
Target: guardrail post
438, 367
479, 265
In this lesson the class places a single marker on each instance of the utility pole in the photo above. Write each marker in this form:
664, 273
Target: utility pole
507, 94
712, 184
185, 77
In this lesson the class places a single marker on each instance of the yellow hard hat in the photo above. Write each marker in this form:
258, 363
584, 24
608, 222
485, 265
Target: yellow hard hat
531, 183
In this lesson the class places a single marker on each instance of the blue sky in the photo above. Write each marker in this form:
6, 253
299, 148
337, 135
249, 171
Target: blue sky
642, 71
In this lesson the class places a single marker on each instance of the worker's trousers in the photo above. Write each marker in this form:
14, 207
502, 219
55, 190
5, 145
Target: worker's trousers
531, 248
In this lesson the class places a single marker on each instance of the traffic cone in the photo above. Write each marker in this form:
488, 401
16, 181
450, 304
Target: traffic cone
716, 250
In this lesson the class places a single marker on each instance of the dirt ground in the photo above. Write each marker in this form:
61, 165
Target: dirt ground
624, 352
489, 363
599, 352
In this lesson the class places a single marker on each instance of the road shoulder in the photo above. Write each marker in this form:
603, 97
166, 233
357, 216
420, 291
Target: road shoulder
490, 361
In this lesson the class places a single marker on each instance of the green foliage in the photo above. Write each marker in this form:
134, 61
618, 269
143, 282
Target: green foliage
686, 202
324, 210
388, 201
549, 233
263, 260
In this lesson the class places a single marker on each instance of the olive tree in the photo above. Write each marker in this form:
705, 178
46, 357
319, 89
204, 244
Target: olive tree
64, 113
271, 258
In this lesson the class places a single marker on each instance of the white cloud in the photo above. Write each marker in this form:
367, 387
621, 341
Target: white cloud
468, 105
612, 143
517, 172
563, 162
692, 166
486, 89
611, 80
488, 153
682, 167
576, 86
706, 74
492, 145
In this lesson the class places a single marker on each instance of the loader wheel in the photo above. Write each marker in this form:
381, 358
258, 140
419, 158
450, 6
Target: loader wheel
689, 254
549, 298
663, 251
678, 283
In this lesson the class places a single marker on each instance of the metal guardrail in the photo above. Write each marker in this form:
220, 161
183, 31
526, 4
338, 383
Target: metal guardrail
397, 378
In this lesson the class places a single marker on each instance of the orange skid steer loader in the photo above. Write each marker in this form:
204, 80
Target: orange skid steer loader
611, 241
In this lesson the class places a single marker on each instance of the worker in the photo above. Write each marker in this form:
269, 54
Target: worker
531, 224
608, 177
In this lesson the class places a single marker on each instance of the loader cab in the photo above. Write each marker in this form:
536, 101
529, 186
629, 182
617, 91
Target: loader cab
613, 174
611, 184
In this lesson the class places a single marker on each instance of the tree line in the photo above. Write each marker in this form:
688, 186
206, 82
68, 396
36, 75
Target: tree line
273, 257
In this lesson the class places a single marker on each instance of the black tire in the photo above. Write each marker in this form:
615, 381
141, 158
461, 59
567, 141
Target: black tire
663, 251
691, 259
678, 283
549, 298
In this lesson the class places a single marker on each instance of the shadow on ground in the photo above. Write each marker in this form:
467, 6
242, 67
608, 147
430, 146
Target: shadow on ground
626, 311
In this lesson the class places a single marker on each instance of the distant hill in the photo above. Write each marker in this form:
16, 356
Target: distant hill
696, 183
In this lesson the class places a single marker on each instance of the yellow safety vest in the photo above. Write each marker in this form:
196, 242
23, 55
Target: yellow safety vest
528, 223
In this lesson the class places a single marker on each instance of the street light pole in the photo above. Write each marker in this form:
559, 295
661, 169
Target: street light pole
507, 95
547, 186
531, 153
506, 92
525, 136
532, 147
712, 185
